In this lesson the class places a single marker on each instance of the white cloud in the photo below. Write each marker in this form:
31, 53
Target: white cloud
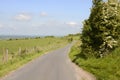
23, 17
72, 24
43, 14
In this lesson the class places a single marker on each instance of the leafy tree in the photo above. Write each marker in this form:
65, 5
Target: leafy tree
101, 31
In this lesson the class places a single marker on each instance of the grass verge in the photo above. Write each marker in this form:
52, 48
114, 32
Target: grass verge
107, 68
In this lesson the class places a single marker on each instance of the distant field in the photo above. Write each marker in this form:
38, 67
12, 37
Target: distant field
30, 48
14, 45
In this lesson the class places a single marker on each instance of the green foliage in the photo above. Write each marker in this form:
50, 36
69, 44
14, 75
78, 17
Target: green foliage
70, 39
101, 32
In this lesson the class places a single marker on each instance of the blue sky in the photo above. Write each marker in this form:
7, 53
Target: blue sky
43, 17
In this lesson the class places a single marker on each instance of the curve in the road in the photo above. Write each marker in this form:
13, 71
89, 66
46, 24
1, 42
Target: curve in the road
52, 66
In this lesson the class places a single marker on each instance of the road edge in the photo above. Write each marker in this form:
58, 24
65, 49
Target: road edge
81, 74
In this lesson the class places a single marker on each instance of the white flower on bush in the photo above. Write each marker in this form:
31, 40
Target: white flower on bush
110, 42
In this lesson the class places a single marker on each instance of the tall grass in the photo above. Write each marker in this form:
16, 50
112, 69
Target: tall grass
107, 68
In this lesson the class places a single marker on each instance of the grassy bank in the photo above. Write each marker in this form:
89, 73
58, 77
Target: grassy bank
107, 68
22, 51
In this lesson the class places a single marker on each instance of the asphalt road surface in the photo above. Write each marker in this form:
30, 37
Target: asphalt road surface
52, 66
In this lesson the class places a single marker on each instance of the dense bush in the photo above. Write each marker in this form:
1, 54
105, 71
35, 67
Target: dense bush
101, 32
